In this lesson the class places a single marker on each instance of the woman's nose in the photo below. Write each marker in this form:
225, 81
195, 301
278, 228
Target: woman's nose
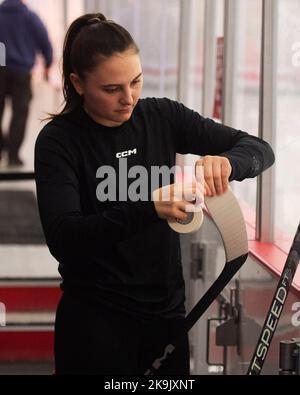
127, 96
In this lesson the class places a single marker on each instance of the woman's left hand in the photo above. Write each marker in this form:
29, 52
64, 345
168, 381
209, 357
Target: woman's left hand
216, 172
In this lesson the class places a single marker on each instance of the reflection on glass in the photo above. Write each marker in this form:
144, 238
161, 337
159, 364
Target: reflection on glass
192, 51
246, 100
287, 188
159, 44
155, 27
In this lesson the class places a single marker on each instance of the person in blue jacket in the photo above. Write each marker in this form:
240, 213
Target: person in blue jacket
24, 35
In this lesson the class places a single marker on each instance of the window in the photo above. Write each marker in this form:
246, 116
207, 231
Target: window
245, 84
191, 54
159, 43
287, 184
154, 25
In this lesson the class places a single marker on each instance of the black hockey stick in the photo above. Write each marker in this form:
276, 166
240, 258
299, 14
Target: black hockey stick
276, 308
226, 213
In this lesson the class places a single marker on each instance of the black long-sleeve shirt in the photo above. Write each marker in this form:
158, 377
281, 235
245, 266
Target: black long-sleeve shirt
120, 253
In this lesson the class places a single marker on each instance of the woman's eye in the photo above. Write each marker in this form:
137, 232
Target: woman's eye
118, 88
111, 90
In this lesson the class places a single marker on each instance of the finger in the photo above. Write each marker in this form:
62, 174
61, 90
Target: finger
199, 172
218, 183
188, 207
187, 191
179, 212
207, 191
199, 175
208, 176
199, 196
226, 170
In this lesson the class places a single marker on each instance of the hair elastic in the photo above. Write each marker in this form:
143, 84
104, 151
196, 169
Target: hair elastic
93, 21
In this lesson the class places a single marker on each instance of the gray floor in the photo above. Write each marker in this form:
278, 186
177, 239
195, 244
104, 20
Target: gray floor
26, 368
30, 260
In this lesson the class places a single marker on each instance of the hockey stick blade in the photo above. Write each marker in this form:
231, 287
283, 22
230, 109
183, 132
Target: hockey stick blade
276, 308
227, 215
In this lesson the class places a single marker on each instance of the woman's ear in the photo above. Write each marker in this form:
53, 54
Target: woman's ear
77, 83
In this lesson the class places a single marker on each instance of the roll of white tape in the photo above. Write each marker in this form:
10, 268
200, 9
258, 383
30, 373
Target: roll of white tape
191, 224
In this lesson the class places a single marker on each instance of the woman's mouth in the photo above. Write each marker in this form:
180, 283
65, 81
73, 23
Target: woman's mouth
125, 110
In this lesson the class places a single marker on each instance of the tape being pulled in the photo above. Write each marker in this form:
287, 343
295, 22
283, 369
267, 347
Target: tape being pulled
191, 224
194, 211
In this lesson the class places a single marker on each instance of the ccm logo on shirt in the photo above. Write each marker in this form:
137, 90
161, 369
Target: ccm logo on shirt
125, 154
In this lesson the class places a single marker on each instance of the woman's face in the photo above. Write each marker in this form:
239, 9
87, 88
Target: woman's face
112, 89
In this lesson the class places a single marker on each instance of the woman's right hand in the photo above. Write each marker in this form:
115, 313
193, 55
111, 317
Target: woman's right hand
175, 200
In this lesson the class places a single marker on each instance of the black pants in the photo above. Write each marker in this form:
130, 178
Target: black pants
16, 86
93, 340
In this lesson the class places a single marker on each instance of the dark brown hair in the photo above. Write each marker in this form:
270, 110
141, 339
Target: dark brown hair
90, 39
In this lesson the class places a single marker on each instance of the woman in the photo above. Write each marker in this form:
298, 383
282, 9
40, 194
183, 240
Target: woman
123, 289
